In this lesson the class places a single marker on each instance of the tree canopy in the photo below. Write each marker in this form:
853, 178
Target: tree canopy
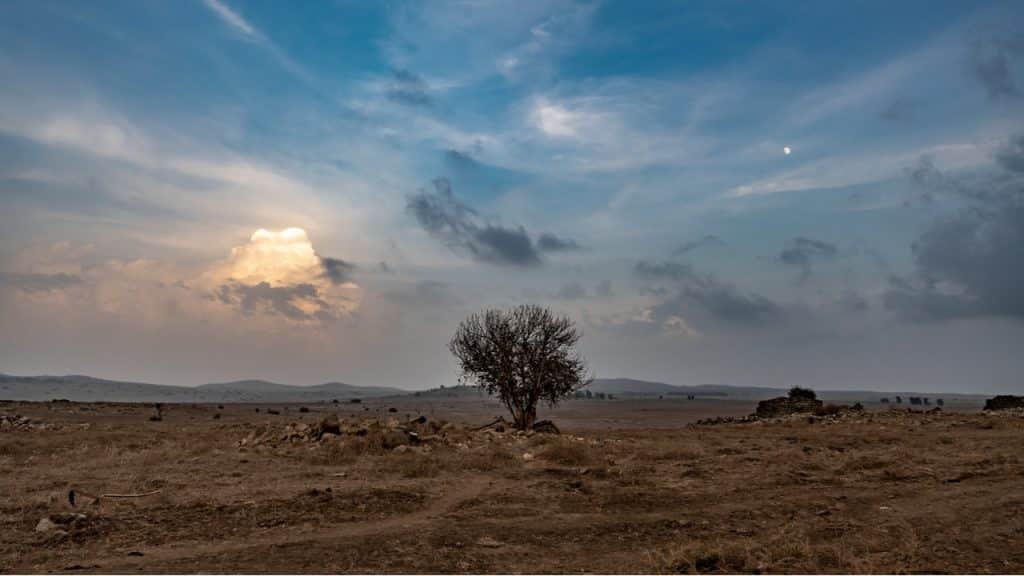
524, 356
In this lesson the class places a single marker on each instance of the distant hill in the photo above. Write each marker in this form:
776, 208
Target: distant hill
87, 389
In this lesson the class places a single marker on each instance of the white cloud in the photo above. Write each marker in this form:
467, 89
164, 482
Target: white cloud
232, 18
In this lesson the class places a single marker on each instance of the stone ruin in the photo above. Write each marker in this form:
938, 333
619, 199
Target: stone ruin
786, 405
1004, 402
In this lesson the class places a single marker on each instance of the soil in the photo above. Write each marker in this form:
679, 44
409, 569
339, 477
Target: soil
628, 486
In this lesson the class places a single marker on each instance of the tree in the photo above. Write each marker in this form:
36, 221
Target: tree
798, 393
524, 355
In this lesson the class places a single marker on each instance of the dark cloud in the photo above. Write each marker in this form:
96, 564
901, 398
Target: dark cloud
409, 89
551, 243
425, 294
853, 302
336, 270
971, 262
990, 63
283, 300
802, 252
704, 294
460, 160
571, 291
39, 282
709, 241
1011, 155
663, 270
446, 218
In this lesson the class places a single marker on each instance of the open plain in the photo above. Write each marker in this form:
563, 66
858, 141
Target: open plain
628, 486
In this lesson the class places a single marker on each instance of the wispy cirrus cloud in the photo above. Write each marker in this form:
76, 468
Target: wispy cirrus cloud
233, 19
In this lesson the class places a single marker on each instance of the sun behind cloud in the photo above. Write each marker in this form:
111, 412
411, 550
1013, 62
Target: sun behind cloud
279, 273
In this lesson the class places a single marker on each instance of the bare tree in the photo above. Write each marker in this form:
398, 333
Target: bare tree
524, 355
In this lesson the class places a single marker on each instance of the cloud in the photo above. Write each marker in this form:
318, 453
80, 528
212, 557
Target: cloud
236, 22
801, 253
301, 302
704, 295
709, 241
409, 89
279, 272
460, 228
337, 270
971, 262
232, 19
990, 64
1011, 155
663, 270
550, 243
604, 289
39, 282
571, 291
424, 294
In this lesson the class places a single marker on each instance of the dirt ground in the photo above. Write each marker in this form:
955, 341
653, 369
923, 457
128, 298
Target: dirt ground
629, 486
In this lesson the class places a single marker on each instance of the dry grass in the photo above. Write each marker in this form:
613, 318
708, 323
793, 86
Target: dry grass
878, 492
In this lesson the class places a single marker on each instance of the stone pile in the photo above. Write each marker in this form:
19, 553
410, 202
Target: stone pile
391, 434
16, 422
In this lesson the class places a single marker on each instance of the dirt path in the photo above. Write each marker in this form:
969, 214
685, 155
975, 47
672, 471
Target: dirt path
450, 498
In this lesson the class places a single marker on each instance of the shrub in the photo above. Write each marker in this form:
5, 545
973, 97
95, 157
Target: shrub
798, 393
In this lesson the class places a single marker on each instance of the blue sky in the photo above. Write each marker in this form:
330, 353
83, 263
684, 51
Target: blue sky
620, 162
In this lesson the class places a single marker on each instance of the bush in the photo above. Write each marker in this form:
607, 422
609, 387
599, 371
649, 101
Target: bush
798, 393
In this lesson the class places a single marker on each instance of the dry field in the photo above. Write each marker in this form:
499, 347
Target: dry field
627, 487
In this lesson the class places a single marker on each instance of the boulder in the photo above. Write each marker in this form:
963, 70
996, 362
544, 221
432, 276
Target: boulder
545, 427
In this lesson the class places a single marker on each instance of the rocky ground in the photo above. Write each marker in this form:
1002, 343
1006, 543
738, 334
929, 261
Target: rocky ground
326, 488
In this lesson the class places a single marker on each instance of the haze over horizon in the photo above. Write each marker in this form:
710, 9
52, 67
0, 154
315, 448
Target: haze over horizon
758, 194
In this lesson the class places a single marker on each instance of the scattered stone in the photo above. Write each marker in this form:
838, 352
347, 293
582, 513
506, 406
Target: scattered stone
527, 457
16, 422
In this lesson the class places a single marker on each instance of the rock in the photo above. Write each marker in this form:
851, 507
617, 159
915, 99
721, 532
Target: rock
527, 457
401, 449
1004, 402
488, 542
393, 438
392, 409
45, 525
545, 427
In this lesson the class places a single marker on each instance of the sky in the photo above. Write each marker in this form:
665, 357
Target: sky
820, 193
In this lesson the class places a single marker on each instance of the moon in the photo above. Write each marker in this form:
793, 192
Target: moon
786, 150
